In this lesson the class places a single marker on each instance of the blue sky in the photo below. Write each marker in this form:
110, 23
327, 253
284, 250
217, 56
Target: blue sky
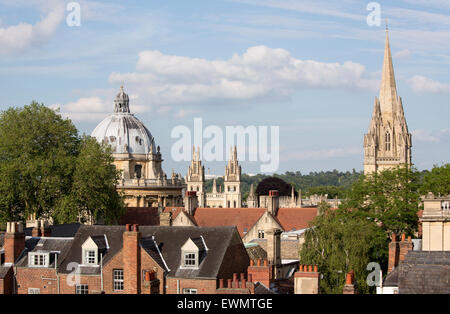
310, 67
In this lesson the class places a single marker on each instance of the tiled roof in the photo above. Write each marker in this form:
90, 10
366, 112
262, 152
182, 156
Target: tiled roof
242, 218
174, 210
297, 218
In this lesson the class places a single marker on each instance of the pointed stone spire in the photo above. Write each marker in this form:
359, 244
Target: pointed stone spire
388, 88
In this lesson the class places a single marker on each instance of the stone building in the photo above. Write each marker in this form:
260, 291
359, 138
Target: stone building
230, 197
388, 141
143, 181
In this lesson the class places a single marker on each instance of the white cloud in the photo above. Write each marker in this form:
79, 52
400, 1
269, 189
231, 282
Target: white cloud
17, 38
322, 154
426, 136
402, 54
426, 85
258, 73
85, 109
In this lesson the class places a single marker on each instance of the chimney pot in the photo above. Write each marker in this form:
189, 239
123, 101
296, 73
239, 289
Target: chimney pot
409, 238
258, 262
242, 276
135, 227
127, 227
229, 285
265, 262
315, 268
310, 268
403, 237
394, 237
252, 263
221, 283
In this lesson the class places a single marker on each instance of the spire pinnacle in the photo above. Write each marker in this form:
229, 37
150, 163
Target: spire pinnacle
388, 89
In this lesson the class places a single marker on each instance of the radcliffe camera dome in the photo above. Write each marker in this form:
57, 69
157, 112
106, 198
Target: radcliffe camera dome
123, 131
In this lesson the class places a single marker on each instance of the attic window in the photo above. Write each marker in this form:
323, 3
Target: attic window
90, 257
38, 259
190, 259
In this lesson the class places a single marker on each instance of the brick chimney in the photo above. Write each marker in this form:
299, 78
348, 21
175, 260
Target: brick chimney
131, 256
274, 202
393, 253
36, 231
190, 202
306, 280
261, 273
165, 219
274, 249
45, 228
14, 241
349, 287
405, 246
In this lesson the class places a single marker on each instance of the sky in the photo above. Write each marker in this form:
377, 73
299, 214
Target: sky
312, 68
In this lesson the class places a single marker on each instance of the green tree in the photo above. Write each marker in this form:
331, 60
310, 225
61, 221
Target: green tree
38, 149
93, 189
42, 163
390, 198
340, 241
437, 181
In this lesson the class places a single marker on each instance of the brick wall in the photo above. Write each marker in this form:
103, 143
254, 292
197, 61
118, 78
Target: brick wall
203, 286
44, 279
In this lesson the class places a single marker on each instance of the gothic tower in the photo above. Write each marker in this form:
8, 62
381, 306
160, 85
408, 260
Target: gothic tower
388, 142
252, 199
196, 177
232, 181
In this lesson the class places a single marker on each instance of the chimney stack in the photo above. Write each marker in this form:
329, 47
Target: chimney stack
349, 287
306, 280
165, 219
45, 228
274, 202
393, 253
131, 256
190, 202
36, 231
14, 241
405, 246
274, 249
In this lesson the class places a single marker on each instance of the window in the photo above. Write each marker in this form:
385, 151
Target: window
90, 257
38, 259
189, 291
138, 171
81, 289
118, 279
34, 291
260, 234
234, 204
388, 141
190, 259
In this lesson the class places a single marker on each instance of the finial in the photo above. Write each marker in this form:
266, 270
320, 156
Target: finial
121, 88
387, 25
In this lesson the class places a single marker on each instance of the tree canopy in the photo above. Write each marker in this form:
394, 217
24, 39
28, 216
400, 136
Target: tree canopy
45, 166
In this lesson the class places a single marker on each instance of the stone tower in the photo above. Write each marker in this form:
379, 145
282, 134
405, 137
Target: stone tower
196, 177
232, 181
388, 142
252, 199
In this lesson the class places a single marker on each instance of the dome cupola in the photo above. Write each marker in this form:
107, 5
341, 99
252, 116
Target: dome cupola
123, 131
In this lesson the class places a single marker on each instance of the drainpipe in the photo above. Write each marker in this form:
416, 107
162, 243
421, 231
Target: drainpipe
178, 286
101, 272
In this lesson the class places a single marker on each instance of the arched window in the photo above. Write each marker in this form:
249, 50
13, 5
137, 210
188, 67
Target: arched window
138, 171
387, 141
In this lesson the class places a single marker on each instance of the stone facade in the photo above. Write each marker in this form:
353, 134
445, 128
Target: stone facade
388, 142
436, 223
231, 197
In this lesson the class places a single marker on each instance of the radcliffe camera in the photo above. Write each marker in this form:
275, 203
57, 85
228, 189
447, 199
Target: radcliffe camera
247, 152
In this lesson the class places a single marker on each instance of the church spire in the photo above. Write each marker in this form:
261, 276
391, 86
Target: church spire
388, 89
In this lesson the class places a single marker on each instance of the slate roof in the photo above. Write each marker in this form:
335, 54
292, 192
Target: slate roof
147, 216
60, 245
425, 272
63, 230
391, 279
4, 270
100, 241
169, 241
256, 252
262, 289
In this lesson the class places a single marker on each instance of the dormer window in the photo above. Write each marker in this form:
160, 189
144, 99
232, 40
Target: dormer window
38, 259
193, 252
93, 248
